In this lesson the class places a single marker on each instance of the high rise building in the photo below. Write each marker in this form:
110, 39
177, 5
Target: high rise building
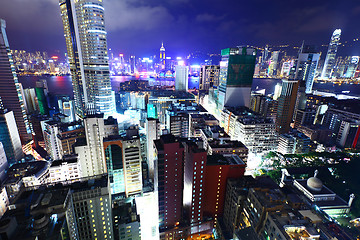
9, 136
123, 162
4, 165
353, 65
219, 168
91, 204
209, 76
91, 151
306, 66
10, 93
168, 180
194, 182
152, 133
236, 74
273, 63
162, 55
181, 78
85, 36
286, 105
331, 54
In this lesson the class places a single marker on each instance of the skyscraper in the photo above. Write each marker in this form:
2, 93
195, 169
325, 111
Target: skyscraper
85, 36
331, 54
10, 93
9, 136
168, 180
181, 78
236, 74
162, 55
306, 66
286, 105
152, 133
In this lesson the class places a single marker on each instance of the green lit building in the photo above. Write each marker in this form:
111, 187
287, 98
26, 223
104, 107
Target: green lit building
236, 75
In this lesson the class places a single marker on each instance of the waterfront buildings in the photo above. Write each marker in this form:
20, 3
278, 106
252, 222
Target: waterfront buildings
10, 93
85, 36
331, 54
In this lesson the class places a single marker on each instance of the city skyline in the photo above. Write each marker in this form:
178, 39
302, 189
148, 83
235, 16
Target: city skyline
195, 23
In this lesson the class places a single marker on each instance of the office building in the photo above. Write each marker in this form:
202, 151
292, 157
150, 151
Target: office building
50, 131
10, 93
307, 63
272, 70
85, 35
90, 150
152, 133
181, 78
9, 136
123, 160
236, 74
331, 55
352, 67
67, 107
286, 105
209, 77
91, 204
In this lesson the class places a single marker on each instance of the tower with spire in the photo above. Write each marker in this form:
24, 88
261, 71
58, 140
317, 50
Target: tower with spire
162, 54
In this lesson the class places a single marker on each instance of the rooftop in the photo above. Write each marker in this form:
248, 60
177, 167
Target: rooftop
229, 159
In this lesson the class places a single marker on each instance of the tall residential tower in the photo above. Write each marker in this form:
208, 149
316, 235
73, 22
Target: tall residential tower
85, 36
331, 54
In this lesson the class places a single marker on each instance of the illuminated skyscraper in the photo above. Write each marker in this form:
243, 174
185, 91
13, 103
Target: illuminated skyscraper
85, 36
331, 54
162, 54
306, 66
10, 92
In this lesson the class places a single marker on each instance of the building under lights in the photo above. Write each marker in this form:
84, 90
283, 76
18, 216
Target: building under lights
236, 75
10, 93
85, 36
331, 54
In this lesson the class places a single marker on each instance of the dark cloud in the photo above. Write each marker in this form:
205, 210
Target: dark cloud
139, 26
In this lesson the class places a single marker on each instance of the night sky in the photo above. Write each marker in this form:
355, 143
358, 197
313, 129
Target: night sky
139, 26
